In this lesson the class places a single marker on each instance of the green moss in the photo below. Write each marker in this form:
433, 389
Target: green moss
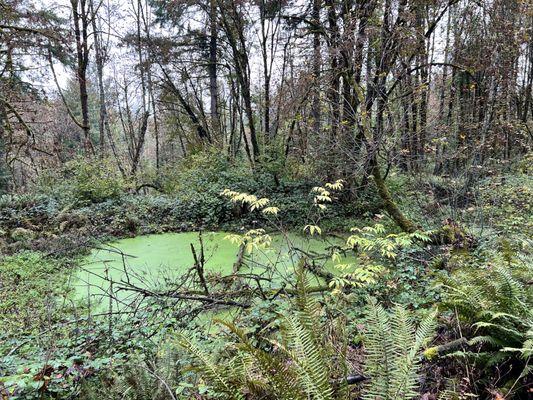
431, 352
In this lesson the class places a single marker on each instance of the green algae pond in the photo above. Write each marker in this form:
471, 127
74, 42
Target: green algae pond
158, 261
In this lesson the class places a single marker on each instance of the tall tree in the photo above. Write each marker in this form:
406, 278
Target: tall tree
80, 20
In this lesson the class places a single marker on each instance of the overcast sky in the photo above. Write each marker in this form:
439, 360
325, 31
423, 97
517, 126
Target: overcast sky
118, 19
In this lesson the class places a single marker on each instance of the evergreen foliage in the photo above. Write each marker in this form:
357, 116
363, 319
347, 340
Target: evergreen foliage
393, 345
495, 302
305, 363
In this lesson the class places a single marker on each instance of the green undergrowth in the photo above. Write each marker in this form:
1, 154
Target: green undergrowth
483, 292
90, 199
32, 285
505, 204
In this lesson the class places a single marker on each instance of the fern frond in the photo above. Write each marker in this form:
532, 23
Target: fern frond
403, 375
393, 347
378, 347
282, 380
448, 395
311, 366
507, 330
497, 303
217, 374
485, 339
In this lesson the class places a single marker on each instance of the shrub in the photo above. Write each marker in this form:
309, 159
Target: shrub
26, 209
84, 181
200, 171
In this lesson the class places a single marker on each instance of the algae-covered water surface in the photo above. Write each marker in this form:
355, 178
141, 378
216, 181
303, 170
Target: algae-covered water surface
157, 261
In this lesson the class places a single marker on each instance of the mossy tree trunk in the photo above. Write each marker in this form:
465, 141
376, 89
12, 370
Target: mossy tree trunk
388, 203
3, 166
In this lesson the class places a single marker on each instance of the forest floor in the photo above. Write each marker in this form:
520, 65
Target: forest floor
53, 346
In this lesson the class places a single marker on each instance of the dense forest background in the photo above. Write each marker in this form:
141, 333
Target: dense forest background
444, 86
386, 143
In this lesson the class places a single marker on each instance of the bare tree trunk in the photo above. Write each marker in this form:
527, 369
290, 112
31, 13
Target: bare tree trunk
3, 164
413, 137
442, 97
99, 58
424, 88
213, 83
529, 85
138, 143
317, 65
151, 95
79, 15
232, 23
406, 130
266, 72
334, 87
203, 135
365, 10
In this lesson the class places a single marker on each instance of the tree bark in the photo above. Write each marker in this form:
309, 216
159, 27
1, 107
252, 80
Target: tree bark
79, 15
334, 83
212, 70
388, 203
3, 166
234, 29
99, 58
317, 65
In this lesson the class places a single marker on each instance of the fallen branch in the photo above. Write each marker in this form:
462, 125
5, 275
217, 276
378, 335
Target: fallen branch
353, 379
240, 258
148, 185
443, 349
